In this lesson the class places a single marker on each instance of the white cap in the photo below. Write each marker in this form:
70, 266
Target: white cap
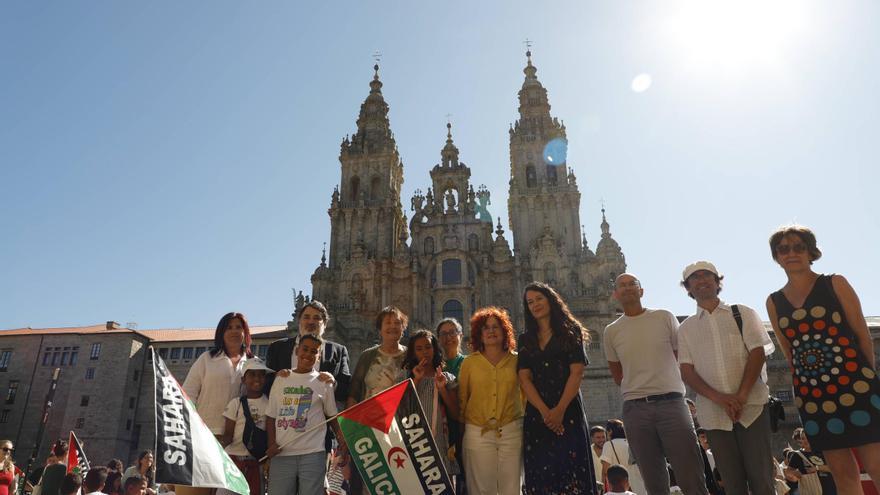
697, 266
255, 364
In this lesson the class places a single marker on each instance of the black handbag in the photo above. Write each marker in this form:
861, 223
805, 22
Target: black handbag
254, 438
774, 405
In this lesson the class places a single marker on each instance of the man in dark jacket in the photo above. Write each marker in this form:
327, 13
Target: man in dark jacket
312, 318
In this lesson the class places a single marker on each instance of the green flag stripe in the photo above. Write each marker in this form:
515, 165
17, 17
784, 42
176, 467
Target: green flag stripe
368, 457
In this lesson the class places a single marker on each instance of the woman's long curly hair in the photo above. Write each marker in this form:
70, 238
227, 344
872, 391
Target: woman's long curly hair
565, 326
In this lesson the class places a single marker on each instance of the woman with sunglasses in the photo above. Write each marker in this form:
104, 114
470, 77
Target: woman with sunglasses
7, 468
820, 327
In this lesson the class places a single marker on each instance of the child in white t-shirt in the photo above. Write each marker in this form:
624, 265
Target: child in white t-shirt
618, 481
299, 404
254, 377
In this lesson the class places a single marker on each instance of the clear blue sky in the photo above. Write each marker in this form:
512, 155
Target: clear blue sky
166, 162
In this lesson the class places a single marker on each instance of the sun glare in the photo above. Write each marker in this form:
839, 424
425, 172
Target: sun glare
641, 83
736, 36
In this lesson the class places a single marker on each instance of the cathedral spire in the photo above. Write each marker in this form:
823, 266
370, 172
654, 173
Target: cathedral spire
375, 84
530, 71
449, 153
373, 126
606, 229
533, 101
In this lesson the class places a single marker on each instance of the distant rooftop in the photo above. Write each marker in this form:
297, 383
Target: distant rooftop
157, 335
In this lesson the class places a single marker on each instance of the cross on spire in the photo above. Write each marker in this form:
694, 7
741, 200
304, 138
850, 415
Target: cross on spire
377, 56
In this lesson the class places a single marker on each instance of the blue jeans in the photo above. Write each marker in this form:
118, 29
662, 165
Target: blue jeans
298, 474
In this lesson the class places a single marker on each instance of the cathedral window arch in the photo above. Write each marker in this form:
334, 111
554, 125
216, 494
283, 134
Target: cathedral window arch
452, 271
453, 309
429, 245
531, 177
551, 175
375, 184
473, 242
355, 188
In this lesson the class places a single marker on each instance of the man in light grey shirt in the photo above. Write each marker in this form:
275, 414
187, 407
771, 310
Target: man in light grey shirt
722, 350
641, 350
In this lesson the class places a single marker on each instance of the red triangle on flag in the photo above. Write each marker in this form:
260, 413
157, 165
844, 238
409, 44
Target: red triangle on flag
378, 411
76, 458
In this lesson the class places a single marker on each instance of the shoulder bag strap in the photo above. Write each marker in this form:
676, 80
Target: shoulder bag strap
739, 324
246, 408
615, 451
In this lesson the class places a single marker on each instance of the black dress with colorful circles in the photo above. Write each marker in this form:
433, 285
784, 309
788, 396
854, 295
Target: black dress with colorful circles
836, 391
555, 464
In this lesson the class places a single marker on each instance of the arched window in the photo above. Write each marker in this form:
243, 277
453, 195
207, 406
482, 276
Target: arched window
531, 178
453, 308
355, 188
374, 188
473, 242
429, 245
551, 175
452, 272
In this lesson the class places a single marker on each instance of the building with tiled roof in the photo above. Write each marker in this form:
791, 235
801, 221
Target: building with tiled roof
105, 385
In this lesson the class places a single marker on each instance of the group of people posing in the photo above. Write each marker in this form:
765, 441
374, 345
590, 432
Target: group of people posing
510, 416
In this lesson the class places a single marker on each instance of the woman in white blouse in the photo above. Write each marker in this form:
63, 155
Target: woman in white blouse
616, 451
215, 377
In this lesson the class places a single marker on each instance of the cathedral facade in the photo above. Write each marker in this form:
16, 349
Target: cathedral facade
449, 258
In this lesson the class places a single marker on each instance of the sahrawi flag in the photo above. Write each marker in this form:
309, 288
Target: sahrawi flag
76, 458
391, 444
186, 451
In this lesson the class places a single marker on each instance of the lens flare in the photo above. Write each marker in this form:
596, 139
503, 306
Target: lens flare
555, 151
641, 83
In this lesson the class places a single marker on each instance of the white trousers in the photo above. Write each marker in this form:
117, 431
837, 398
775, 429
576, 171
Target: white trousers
493, 463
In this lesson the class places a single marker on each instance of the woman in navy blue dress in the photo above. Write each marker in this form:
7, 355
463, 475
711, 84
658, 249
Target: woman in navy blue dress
556, 446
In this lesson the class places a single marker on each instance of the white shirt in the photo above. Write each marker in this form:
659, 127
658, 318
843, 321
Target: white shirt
211, 383
234, 412
616, 451
711, 342
645, 346
597, 462
298, 403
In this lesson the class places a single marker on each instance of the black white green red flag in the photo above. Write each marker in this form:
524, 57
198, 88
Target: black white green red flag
187, 453
392, 446
76, 458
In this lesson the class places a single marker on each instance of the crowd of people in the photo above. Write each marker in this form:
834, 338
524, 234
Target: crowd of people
53, 477
509, 416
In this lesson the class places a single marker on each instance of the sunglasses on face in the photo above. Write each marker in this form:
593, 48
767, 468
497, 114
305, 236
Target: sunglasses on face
785, 248
8, 450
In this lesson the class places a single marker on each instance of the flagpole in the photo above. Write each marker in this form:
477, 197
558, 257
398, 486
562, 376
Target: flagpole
50, 396
322, 423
